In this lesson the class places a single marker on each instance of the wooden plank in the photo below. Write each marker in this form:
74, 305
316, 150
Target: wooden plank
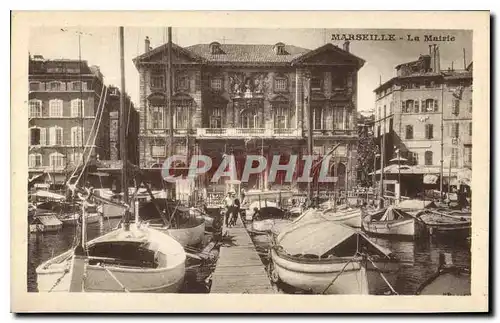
239, 267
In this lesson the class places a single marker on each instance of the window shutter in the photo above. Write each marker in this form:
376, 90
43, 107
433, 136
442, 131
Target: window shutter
436, 105
402, 106
43, 134
470, 128
73, 136
52, 136
457, 127
416, 106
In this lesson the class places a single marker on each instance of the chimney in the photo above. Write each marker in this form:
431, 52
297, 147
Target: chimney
146, 44
346, 46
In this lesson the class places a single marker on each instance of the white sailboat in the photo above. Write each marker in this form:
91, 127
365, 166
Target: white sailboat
133, 258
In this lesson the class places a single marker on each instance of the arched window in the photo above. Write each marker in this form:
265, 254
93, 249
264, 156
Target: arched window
77, 108
55, 108
35, 108
56, 160
428, 158
76, 136
37, 136
35, 160
56, 136
55, 86
36, 86
78, 86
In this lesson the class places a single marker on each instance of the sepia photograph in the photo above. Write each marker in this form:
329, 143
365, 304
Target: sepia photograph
211, 160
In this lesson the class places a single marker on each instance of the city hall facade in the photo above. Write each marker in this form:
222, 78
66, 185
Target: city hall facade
235, 99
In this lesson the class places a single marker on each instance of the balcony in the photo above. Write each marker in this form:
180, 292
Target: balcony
334, 133
163, 132
248, 133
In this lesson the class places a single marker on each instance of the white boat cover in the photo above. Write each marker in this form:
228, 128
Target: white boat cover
415, 204
314, 237
393, 213
50, 195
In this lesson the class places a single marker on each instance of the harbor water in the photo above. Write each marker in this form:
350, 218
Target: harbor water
419, 259
43, 246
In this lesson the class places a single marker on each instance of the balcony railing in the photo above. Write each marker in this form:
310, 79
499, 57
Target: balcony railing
162, 132
248, 132
334, 132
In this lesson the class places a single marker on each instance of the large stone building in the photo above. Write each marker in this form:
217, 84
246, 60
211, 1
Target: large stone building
65, 98
249, 99
425, 108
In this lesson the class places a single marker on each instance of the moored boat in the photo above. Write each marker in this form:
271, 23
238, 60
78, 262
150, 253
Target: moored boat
350, 217
173, 219
393, 222
439, 223
139, 260
269, 225
325, 257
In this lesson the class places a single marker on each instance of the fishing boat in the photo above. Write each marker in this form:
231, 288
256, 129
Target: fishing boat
140, 259
448, 280
174, 219
132, 258
439, 223
348, 216
269, 225
393, 222
325, 257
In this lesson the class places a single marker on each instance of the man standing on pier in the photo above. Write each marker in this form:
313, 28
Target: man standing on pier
229, 204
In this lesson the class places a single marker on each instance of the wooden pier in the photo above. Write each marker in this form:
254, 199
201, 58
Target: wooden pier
239, 268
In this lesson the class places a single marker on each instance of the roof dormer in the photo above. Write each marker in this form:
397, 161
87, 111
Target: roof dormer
279, 49
215, 48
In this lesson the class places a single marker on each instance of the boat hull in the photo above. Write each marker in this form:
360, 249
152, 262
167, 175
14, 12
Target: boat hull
405, 228
34, 228
186, 236
341, 277
55, 274
73, 219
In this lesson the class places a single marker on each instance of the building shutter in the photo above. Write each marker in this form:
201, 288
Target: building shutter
436, 105
43, 136
52, 136
416, 106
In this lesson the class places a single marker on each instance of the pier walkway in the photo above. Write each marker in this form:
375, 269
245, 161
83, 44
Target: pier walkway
239, 268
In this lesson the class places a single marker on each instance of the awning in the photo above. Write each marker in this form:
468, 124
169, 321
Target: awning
464, 176
35, 177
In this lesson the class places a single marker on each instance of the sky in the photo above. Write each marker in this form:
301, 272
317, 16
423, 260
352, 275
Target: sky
100, 46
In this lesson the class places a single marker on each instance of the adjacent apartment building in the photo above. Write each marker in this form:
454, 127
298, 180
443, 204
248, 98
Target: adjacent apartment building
424, 108
67, 98
250, 99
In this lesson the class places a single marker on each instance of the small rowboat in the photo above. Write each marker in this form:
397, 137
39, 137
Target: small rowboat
441, 223
393, 222
325, 257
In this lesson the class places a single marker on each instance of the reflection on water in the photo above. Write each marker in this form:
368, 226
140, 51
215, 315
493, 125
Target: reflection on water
419, 259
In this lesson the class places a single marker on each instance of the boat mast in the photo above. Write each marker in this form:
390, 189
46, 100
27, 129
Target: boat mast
309, 131
123, 129
382, 156
442, 144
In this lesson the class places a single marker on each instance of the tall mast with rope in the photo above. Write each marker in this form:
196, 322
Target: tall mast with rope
123, 129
